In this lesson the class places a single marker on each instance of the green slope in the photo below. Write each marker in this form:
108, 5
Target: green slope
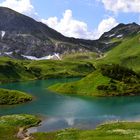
126, 54
10, 125
10, 97
110, 131
57, 69
12, 70
85, 56
109, 80
86, 86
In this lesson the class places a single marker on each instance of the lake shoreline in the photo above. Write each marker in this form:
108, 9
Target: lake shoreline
64, 111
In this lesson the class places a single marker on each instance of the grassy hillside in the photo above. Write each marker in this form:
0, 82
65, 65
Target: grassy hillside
126, 54
57, 69
109, 80
12, 70
110, 131
9, 97
85, 56
10, 125
73, 65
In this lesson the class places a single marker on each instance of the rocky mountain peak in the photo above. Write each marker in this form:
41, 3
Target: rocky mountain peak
122, 30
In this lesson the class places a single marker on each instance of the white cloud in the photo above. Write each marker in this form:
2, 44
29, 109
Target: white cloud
71, 27
122, 5
52, 22
21, 6
106, 25
67, 25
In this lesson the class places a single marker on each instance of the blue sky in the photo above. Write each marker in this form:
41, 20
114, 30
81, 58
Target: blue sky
91, 12
79, 18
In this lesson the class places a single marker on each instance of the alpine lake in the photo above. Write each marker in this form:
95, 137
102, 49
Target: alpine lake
59, 111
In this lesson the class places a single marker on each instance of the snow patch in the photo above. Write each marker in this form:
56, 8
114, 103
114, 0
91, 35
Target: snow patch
8, 53
2, 34
107, 43
119, 36
30, 57
112, 35
55, 57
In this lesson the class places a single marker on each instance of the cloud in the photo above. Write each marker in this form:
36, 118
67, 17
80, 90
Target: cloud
106, 25
67, 25
21, 6
71, 27
122, 5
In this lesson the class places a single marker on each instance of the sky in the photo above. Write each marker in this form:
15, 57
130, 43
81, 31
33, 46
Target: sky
87, 19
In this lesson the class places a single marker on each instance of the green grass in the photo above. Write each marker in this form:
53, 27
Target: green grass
110, 131
20, 120
8, 133
126, 54
16, 70
10, 97
109, 80
60, 69
85, 56
10, 124
86, 86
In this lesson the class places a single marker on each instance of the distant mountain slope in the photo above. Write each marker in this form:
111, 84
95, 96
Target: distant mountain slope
21, 35
116, 35
122, 30
127, 53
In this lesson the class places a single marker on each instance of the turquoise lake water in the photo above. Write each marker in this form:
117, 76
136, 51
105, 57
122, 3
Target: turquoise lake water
62, 111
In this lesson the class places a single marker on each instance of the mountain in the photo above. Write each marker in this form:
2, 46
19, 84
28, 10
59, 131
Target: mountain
117, 71
122, 30
117, 35
127, 53
22, 36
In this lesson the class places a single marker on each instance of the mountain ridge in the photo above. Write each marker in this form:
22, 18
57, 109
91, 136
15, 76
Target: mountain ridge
22, 36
